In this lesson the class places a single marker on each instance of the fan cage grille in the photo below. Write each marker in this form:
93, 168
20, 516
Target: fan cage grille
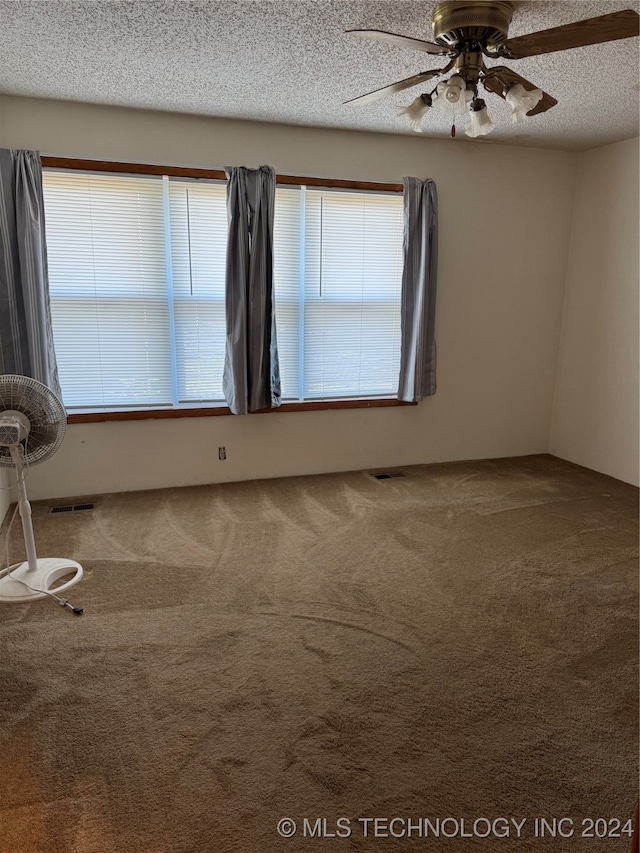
45, 412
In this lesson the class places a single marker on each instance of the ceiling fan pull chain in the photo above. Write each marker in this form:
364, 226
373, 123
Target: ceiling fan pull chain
453, 130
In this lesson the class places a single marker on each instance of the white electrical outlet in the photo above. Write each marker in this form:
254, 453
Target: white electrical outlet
222, 453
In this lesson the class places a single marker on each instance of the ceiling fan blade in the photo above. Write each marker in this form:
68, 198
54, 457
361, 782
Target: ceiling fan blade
617, 25
395, 87
500, 79
401, 41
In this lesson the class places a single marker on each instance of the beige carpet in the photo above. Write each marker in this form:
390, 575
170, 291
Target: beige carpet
460, 643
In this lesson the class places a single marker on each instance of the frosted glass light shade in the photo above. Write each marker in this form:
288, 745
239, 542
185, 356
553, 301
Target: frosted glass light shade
480, 123
415, 112
521, 100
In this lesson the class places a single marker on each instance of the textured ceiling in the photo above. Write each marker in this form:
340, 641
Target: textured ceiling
290, 61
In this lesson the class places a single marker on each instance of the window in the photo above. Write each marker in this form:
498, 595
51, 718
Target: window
136, 272
338, 277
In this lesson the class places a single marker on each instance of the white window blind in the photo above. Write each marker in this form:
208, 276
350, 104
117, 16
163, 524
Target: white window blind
198, 226
107, 277
288, 246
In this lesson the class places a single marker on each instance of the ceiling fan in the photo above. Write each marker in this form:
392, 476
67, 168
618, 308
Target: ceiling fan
468, 31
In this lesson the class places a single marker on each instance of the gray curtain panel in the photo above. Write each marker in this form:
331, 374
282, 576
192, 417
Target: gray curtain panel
419, 278
26, 335
251, 378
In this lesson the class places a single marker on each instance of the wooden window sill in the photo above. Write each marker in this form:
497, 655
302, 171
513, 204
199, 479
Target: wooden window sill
216, 411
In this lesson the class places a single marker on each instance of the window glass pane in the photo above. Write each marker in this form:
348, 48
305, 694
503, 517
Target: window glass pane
353, 280
286, 284
107, 278
198, 228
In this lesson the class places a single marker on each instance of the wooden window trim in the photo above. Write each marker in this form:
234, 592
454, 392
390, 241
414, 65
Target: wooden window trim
218, 175
208, 174
217, 411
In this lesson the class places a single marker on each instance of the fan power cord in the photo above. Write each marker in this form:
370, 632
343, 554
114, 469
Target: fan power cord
7, 538
63, 602
7, 535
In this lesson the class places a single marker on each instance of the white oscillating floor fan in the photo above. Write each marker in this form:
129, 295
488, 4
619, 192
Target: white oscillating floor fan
32, 426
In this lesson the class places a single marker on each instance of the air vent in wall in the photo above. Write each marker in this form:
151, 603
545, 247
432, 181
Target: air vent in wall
70, 508
388, 475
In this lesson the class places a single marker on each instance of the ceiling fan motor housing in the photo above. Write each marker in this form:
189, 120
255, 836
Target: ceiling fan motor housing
485, 21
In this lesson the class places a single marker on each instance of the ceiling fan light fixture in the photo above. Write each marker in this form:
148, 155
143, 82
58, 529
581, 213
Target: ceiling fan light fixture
466, 31
481, 123
521, 101
415, 111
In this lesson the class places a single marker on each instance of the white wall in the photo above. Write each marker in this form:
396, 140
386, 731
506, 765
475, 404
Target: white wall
595, 419
505, 216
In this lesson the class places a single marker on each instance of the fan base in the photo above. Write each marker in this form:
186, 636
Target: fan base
49, 571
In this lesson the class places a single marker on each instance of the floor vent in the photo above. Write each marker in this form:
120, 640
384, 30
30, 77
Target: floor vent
388, 475
52, 510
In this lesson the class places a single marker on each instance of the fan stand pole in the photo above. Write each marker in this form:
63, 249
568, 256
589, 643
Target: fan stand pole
24, 508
